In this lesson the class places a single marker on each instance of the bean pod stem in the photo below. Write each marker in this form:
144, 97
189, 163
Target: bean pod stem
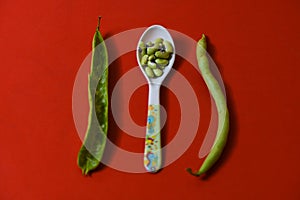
220, 101
92, 149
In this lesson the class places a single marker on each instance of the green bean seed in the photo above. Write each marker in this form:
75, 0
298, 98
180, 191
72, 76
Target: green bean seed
151, 58
149, 44
142, 48
151, 64
142, 45
161, 54
156, 45
149, 72
157, 72
168, 46
159, 40
142, 52
162, 62
151, 50
144, 59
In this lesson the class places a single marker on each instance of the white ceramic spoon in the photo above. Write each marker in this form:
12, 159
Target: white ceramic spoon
152, 153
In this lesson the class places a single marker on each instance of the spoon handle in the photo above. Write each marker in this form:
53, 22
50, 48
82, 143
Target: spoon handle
152, 153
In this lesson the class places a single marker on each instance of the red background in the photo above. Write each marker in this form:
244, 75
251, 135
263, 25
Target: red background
255, 45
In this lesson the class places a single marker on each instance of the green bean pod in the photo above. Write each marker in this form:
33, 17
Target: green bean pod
220, 101
92, 149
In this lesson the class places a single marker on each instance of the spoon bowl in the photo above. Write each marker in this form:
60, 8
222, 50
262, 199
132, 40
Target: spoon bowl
150, 34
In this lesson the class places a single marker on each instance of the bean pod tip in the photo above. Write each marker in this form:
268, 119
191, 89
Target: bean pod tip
98, 25
189, 170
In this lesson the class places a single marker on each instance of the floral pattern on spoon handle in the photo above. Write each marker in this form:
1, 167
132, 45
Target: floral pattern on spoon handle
152, 154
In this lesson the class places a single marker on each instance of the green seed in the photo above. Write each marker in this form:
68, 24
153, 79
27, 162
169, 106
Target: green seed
156, 45
157, 72
143, 52
142, 45
151, 58
142, 48
151, 50
159, 40
144, 59
151, 64
168, 46
149, 44
149, 72
162, 62
160, 54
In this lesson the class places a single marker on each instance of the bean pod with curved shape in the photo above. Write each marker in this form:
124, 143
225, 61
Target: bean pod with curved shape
220, 101
92, 149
